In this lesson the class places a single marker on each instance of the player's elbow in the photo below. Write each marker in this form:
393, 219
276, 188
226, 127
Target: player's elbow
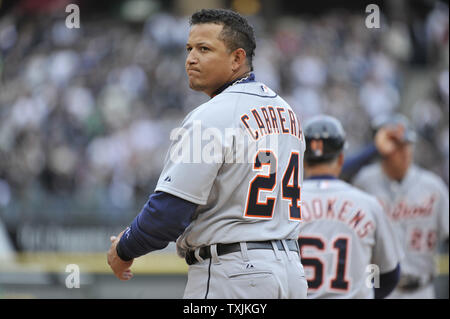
164, 218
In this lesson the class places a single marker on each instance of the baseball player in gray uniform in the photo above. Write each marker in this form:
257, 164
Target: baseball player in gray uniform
345, 238
417, 204
229, 193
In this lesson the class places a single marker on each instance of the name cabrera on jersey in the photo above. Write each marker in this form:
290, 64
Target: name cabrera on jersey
250, 190
418, 209
343, 231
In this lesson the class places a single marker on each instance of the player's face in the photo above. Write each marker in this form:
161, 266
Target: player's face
400, 160
209, 62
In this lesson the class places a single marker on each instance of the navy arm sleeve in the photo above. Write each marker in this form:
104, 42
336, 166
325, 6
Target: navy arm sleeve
163, 218
388, 281
354, 163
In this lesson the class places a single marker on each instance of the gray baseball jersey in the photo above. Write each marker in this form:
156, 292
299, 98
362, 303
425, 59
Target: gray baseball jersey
418, 208
345, 240
240, 157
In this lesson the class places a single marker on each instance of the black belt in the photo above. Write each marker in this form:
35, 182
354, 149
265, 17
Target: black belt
222, 249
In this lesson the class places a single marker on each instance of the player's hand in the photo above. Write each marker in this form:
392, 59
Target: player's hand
387, 139
119, 267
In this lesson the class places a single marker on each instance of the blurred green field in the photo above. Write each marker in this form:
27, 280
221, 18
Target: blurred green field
156, 276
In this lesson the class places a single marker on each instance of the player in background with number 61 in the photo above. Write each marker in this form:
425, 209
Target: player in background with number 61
344, 230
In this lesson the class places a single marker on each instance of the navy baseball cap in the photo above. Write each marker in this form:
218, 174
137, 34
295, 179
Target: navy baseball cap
409, 135
329, 131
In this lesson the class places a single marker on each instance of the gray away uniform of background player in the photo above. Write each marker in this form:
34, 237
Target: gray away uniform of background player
222, 190
418, 208
345, 230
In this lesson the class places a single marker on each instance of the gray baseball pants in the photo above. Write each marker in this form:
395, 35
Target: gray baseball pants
247, 274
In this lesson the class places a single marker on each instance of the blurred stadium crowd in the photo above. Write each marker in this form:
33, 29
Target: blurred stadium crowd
85, 114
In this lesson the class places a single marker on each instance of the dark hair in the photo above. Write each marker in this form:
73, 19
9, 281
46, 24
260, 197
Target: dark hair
236, 33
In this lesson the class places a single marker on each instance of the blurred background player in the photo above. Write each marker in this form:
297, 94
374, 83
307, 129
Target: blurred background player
382, 145
416, 202
344, 229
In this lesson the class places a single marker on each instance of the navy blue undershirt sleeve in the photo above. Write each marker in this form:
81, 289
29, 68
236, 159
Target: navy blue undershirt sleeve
162, 220
355, 162
388, 281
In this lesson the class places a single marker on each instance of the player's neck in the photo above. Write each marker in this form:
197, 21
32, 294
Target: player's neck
393, 173
333, 168
321, 170
239, 76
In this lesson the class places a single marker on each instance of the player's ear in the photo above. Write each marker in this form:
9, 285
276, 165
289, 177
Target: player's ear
341, 159
239, 57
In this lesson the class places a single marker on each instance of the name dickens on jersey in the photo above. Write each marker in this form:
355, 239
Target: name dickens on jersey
271, 120
346, 213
